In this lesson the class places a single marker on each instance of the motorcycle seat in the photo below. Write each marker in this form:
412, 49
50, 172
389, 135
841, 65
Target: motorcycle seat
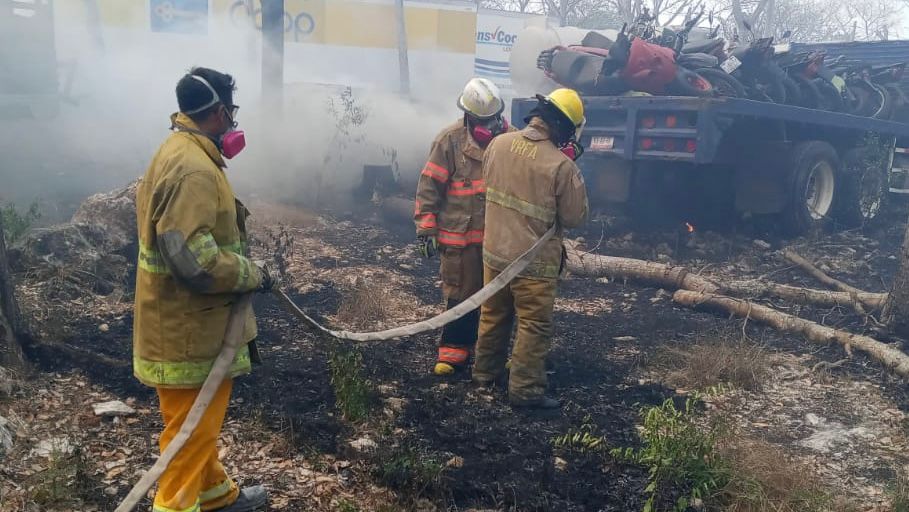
704, 46
698, 60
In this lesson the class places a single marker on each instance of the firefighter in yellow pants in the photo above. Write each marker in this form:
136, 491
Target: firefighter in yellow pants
193, 264
200, 457
532, 183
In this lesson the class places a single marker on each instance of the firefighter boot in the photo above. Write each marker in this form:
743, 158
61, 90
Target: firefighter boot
250, 499
451, 359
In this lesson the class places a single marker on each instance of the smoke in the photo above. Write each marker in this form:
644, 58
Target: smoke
122, 95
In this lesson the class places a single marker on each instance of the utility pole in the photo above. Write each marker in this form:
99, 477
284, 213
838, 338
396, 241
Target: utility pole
403, 64
273, 56
93, 16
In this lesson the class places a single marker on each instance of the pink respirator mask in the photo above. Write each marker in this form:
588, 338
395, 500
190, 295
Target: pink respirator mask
234, 141
484, 134
572, 150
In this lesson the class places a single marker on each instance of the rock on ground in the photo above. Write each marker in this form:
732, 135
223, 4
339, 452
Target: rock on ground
113, 408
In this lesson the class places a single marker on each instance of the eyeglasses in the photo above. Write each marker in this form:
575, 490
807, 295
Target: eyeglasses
233, 109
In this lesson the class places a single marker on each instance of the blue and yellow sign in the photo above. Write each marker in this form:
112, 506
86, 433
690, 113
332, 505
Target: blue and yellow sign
179, 16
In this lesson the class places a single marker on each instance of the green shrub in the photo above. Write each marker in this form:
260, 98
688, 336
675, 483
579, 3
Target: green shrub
353, 395
16, 224
677, 453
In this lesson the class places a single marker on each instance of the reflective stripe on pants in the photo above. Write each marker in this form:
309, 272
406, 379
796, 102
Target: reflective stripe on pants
195, 479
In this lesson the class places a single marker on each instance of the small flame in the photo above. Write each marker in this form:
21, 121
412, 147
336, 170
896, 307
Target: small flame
690, 227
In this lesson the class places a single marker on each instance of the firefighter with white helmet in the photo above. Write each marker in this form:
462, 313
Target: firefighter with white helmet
449, 213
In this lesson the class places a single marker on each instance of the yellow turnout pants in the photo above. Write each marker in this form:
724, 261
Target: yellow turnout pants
195, 480
531, 302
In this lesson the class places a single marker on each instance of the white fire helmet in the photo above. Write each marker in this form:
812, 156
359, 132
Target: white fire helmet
481, 99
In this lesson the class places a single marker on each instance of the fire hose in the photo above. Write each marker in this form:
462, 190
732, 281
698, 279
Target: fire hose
233, 339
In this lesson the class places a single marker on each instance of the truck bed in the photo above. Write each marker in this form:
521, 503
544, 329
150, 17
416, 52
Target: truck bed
694, 129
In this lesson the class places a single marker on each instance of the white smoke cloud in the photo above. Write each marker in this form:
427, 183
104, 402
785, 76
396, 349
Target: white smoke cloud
125, 94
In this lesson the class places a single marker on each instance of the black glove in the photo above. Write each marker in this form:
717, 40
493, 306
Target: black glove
428, 245
269, 282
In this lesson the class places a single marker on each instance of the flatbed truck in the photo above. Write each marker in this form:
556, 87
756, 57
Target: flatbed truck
805, 167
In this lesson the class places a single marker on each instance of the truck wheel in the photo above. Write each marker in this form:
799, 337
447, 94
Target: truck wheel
689, 83
810, 96
862, 188
814, 167
831, 98
724, 84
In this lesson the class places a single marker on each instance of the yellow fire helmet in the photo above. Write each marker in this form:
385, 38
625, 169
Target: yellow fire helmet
569, 103
481, 99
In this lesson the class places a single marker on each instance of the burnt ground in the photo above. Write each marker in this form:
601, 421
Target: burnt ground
461, 447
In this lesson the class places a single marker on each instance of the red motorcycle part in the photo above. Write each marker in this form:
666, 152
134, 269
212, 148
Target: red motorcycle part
650, 67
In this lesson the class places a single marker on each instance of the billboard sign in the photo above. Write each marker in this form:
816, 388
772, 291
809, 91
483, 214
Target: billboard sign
497, 32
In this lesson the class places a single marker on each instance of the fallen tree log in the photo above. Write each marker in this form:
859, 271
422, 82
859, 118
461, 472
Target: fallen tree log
819, 274
893, 359
667, 276
801, 295
596, 265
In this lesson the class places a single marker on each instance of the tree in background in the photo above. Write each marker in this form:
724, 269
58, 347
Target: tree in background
813, 20
599, 14
808, 20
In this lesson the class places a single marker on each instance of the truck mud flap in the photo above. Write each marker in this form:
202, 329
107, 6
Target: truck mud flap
761, 179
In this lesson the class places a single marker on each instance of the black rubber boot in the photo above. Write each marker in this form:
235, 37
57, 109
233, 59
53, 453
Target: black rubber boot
539, 403
251, 499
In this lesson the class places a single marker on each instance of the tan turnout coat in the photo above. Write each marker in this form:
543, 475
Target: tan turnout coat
530, 184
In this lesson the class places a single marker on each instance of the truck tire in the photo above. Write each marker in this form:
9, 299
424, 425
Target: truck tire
862, 188
794, 94
689, 83
831, 98
813, 170
810, 96
724, 84
771, 84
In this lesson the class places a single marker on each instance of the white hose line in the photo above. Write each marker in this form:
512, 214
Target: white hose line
471, 303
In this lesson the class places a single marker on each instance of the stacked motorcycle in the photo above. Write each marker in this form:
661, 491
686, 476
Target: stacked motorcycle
641, 61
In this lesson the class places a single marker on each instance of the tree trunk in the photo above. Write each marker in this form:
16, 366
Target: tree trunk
891, 358
10, 349
896, 309
667, 276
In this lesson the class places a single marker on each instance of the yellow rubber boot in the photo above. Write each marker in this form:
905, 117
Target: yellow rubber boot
443, 369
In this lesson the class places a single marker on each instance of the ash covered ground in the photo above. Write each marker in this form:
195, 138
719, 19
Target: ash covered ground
426, 443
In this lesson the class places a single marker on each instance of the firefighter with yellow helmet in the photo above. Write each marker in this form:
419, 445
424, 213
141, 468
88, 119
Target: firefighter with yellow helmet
532, 182
449, 211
